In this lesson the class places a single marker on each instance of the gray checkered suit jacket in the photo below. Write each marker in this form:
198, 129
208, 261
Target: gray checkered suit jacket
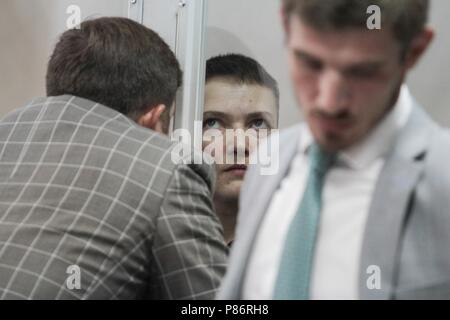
93, 207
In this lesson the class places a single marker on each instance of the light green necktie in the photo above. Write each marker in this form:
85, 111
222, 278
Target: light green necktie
296, 260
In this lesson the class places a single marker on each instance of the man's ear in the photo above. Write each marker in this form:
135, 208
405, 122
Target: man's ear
151, 119
418, 47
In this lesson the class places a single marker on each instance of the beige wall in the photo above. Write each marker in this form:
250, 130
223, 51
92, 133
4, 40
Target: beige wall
28, 32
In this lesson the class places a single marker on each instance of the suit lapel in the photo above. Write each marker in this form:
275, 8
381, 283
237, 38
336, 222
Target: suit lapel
266, 188
390, 205
384, 226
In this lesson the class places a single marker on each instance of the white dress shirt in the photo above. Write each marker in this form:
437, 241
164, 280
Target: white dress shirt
347, 194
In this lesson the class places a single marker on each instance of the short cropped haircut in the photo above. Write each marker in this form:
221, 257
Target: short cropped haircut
115, 62
406, 18
241, 69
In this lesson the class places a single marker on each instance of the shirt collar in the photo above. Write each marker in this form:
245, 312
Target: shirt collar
378, 142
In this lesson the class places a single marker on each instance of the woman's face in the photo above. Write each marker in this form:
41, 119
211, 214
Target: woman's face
233, 108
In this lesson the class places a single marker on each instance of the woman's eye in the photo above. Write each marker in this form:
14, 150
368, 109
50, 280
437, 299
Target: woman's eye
211, 124
259, 124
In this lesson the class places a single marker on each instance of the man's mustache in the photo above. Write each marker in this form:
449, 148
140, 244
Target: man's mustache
340, 115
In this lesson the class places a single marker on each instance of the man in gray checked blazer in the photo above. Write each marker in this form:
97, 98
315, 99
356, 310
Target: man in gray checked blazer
360, 205
92, 206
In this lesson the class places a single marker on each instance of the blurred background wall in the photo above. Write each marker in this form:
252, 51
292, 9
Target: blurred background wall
28, 33
29, 30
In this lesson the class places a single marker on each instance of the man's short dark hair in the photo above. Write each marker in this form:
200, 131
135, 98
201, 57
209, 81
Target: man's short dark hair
241, 69
406, 18
115, 62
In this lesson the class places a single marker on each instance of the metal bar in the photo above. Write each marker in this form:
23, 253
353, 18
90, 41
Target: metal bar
136, 10
190, 51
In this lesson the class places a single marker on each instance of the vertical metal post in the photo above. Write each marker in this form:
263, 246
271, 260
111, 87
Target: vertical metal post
190, 51
136, 10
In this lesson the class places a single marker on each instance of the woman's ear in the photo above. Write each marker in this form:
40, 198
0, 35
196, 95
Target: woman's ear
151, 119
